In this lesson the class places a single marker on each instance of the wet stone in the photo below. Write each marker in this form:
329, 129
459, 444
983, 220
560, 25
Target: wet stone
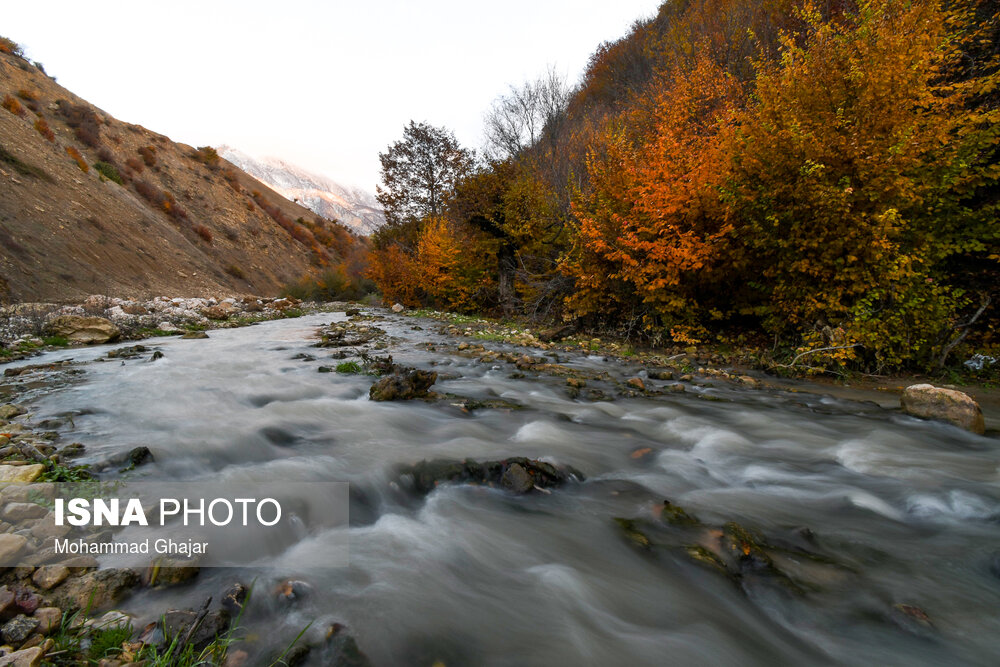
23, 474
178, 622
7, 606
18, 512
27, 601
403, 386
49, 576
10, 546
516, 479
18, 629
9, 411
49, 619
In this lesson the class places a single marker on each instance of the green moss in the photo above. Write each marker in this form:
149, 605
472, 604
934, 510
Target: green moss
701, 555
676, 516
153, 333
631, 531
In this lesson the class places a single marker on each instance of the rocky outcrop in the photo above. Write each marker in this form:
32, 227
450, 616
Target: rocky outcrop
85, 330
518, 475
930, 402
403, 385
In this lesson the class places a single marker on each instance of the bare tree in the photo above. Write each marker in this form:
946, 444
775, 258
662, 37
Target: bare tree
518, 120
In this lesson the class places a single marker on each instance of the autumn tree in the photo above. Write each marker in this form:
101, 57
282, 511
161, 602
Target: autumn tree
419, 171
854, 179
650, 224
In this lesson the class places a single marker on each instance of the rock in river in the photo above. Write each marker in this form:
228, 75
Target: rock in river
930, 402
517, 474
403, 385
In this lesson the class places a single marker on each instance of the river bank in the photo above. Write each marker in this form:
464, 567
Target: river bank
744, 365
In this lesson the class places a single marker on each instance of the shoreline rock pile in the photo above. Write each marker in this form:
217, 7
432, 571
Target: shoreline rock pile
28, 327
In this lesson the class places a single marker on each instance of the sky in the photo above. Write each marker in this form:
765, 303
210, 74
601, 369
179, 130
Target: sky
322, 84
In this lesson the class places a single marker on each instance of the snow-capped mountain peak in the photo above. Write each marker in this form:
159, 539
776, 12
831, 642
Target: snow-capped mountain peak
352, 206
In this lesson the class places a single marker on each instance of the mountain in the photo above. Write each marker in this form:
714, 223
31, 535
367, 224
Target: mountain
90, 204
349, 206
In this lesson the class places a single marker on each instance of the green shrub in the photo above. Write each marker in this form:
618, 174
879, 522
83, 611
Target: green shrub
109, 171
236, 272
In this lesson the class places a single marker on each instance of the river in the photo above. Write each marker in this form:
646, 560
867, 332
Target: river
902, 511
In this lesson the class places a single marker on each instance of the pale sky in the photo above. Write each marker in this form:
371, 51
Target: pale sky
326, 85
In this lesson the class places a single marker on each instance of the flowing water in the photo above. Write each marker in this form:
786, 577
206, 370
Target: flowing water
906, 510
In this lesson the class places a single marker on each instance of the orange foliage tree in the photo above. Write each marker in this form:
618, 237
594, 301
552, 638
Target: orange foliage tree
454, 265
450, 267
651, 220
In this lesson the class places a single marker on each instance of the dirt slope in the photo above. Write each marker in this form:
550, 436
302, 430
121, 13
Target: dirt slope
181, 222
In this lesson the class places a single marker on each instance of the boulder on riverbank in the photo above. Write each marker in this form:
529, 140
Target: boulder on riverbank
930, 402
85, 330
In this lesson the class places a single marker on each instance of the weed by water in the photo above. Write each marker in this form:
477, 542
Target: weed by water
56, 341
349, 368
56, 472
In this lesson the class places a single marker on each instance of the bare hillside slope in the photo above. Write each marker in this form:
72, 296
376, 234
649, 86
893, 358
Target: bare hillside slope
89, 204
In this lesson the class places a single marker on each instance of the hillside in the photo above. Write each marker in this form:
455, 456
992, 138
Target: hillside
352, 207
90, 204
818, 178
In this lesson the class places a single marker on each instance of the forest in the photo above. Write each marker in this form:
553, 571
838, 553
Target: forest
807, 176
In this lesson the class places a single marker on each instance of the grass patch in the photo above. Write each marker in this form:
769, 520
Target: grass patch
56, 341
153, 333
349, 368
107, 642
23, 168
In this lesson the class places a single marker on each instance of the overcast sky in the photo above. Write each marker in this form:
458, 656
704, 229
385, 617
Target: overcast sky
326, 85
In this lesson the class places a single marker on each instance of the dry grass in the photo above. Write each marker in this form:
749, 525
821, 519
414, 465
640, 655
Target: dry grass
11, 104
75, 154
43, 129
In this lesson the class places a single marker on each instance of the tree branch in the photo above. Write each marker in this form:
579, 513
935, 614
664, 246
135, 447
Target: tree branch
964, 331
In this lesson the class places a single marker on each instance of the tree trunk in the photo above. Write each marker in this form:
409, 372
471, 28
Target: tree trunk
506, 266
